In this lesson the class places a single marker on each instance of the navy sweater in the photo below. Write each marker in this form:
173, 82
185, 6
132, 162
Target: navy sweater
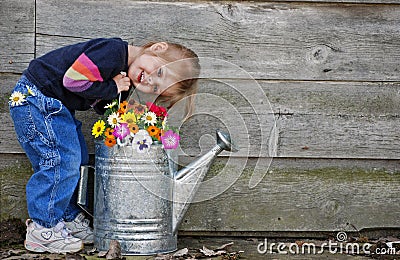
81, 75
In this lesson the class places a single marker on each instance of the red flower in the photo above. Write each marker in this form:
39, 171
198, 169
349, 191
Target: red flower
158, 110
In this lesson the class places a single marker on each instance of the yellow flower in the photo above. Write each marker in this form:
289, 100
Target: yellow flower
98, 128
17, 98
129, 118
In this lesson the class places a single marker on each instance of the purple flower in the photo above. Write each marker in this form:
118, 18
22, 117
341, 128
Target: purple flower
170, 140
142, 140
142, 145
121, 131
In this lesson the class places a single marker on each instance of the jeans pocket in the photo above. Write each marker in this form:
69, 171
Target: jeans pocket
52, 106
23, 122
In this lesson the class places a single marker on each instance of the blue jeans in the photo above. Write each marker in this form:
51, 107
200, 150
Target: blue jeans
54, 143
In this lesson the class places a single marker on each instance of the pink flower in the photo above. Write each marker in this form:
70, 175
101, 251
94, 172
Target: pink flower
121, 131
170, 140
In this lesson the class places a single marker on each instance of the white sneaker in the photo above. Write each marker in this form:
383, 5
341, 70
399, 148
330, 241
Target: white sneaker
80, 228
53, 240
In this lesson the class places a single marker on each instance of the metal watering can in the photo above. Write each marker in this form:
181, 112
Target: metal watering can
140, 200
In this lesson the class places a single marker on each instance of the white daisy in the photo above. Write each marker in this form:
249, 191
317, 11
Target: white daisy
17, 98
111, 105
114, 119
30, 91
149, 118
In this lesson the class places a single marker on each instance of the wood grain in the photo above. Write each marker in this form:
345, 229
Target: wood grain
327, 198
325, 73
303, 41
294, 195
17, 34
313, 119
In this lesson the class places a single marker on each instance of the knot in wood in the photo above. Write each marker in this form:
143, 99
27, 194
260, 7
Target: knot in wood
319, 54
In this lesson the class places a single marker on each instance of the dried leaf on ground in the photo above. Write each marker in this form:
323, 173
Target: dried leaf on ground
102, 254
209, 252
224, 246
164, 257
114, 252
181, 252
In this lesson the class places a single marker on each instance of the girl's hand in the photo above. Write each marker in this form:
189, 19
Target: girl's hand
123, 82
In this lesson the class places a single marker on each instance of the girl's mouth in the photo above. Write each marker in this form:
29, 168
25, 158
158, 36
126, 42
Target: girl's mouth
140, 77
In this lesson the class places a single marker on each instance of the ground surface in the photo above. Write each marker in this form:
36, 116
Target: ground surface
12, 233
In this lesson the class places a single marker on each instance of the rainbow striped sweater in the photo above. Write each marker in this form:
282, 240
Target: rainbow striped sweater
81, 74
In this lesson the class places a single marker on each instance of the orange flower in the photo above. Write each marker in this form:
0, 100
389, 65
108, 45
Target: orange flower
139, 109
123, 106
160, 133
109, 132
133, 128
110, 142
153, 130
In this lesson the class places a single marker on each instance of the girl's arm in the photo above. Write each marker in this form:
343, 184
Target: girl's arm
95, 73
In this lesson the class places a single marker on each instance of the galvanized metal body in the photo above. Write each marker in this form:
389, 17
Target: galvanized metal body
133, 200
140, 198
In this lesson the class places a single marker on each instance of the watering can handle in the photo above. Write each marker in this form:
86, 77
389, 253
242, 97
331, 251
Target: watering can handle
83, 188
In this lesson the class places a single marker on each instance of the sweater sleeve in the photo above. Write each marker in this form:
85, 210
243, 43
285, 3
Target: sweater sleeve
91, 74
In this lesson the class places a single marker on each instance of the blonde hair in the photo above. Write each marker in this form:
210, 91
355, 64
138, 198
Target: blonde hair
186, 87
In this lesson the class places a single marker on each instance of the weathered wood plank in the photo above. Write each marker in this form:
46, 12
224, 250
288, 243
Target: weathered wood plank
15, 171
298, 136
335, 119
297, 200
308, 136
17, 34
314, 119
305, 41
338, 1
295, 195
308, 97
376, 2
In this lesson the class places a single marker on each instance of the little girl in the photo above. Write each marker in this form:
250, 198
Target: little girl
43, 103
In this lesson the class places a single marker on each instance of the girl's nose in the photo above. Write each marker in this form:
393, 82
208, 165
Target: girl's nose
148, 80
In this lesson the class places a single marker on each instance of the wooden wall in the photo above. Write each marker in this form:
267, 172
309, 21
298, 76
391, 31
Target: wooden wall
310, 91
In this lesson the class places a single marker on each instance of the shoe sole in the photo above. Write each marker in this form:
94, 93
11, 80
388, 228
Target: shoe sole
39, 248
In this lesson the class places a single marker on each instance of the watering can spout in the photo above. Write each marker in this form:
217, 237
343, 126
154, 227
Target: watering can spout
188, 179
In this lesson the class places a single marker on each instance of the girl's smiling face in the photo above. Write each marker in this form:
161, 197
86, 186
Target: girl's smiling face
151, 74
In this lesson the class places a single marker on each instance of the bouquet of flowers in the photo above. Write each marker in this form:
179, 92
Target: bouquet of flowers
135, 124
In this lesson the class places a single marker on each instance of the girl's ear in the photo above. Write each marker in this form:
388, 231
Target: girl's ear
159, 47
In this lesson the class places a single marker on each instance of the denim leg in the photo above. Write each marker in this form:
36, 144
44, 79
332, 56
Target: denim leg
73, 209
47, 132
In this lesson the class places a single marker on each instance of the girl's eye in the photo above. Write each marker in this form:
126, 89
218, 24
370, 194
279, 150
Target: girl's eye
159, 72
